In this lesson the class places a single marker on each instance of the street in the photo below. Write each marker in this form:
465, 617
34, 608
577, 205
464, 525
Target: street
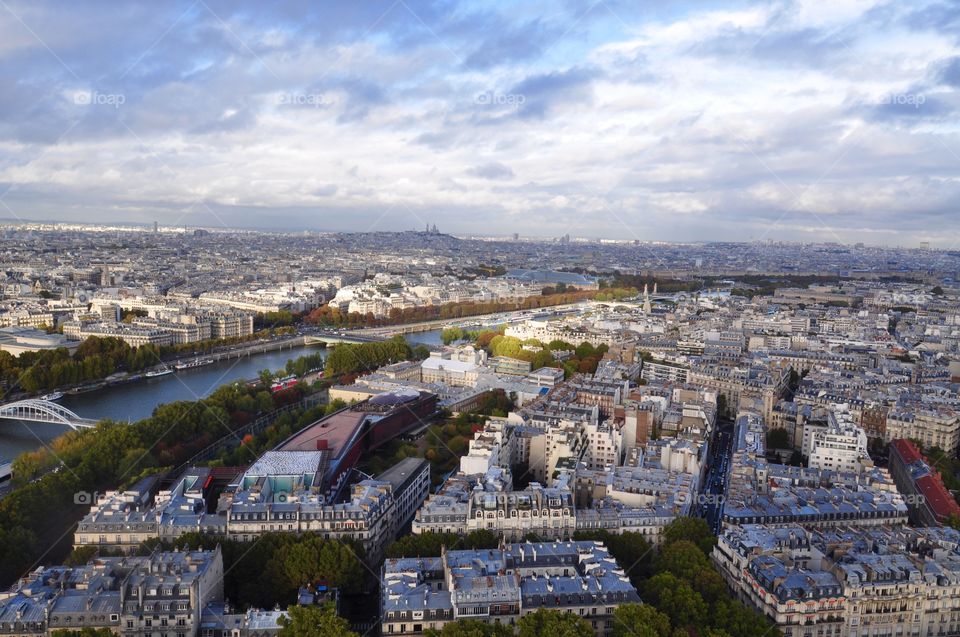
710, 503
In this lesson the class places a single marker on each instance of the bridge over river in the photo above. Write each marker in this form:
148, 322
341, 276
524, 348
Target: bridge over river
37, 410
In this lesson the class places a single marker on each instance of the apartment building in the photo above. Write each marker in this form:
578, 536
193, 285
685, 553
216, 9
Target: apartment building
229, 324
663, 371
604, 446
929, 501
132, 335
637, 420
500, 586
440, 368
841, 446
180, 332
546, 511
276, 494
35, 318
846, 582
757, 387
931, 426
510, 366
160, 595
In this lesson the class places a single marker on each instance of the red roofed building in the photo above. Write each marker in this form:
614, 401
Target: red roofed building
930, 503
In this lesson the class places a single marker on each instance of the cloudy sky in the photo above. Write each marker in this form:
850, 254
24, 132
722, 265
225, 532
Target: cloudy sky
792, 120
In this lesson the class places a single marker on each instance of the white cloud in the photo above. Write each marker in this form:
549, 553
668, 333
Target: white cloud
670, 122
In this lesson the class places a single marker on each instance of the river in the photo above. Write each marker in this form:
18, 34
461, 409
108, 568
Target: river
137, 400
430, 337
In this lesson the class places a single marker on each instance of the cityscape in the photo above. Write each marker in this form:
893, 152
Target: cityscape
450, 319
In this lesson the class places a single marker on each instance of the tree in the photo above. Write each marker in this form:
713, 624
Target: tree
677, 599
83, 632
710, 585
471, 628
736, 619
550, 622
481, 539
695, 530
631, 550
81, 555
953, 522
422, 544
314, 558
640, 620
314, 621
682, 558
721, 404
778, 438
451, 335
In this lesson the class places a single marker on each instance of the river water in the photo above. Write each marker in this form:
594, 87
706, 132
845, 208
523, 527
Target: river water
431, 337
137, 400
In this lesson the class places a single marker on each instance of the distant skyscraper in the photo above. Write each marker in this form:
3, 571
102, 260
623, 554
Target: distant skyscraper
156, 227
516, 236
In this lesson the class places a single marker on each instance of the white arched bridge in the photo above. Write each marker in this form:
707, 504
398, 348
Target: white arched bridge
44, 411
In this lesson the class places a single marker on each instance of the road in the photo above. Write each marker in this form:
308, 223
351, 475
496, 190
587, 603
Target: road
710, 504
509, 316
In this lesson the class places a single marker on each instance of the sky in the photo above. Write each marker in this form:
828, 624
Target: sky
678, 121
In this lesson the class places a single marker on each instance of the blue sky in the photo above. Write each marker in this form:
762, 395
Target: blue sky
783, 120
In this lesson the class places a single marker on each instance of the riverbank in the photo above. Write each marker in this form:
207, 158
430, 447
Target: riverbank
54, 490
137, 400
479, 320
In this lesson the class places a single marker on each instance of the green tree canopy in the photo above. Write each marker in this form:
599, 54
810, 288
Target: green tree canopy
631, 550
640, 620
682, 558
695, 530
430, 544
677, 599
314, 558
83, 632
778, 438
471, 628
314, 621
545, 622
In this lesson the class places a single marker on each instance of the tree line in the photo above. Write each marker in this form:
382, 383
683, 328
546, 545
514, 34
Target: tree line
333, 317
444, 442
95, 359
684, 594
577, 359
349, 358
268, 571
35, 517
